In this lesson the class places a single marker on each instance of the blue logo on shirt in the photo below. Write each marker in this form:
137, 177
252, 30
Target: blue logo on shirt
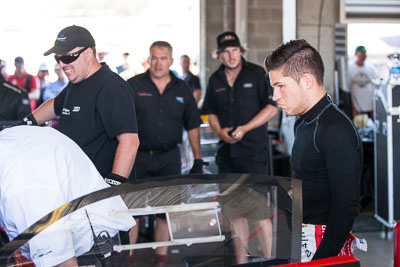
179, 99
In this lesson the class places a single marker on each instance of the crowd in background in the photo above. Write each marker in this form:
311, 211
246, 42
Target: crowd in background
48, 81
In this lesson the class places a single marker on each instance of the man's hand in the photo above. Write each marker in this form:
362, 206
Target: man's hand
115, 179
198, 166
239, 133
223, 133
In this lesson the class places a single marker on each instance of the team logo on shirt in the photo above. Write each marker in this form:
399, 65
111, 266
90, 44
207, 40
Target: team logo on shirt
217, 90
247, 85
66, 112
42, 252
144, 94
179, 99
76, 109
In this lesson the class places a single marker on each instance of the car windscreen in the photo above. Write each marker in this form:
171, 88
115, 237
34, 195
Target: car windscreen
218, 220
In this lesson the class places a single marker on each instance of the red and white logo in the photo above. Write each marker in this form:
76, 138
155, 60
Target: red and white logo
227, 38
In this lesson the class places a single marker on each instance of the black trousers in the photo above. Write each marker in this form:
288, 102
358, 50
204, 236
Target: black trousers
155, 165
255, 164
163, 164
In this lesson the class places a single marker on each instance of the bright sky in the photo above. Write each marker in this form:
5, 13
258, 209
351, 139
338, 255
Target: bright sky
131, 26
370, 35
117, 26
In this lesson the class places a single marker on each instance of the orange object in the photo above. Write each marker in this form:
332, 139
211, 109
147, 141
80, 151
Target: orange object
204, 118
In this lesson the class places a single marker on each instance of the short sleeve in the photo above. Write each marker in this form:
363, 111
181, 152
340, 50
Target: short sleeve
196, 83
59, 101
191, 116
266, 90
209, 104
116, 107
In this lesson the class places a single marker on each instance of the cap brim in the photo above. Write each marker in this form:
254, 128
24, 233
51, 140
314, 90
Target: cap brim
228, 43
58, 50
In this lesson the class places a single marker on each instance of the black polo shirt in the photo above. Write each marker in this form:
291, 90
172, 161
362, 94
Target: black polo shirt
161, 118
14, 102
192, 80
94, 112
237, 105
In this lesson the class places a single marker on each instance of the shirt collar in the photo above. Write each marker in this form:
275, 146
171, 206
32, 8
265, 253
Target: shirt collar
171, 74
317, 109
221, 69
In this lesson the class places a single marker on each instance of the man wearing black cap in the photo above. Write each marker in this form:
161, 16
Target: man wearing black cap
239, 105
25, 80
96, 109
14, 102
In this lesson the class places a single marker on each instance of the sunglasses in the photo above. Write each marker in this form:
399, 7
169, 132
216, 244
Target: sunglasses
66, 59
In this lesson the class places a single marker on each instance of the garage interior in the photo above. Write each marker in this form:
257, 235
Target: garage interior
263, 25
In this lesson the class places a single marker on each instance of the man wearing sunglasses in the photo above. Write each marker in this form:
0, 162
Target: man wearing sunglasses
96, 109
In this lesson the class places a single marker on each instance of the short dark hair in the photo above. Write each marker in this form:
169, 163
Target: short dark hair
162, 44
296, 58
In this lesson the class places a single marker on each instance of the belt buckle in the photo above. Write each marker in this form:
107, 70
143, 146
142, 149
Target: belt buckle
153, 152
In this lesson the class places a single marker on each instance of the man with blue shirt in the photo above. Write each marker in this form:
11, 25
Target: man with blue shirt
54, 88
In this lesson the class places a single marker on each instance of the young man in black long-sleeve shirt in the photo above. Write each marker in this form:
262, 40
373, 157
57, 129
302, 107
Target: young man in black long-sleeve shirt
327, 152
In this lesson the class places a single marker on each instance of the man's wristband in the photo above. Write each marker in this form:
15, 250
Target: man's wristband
115, 179
29, 120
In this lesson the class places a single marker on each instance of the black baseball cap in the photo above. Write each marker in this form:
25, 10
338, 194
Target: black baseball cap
69, 38
227, 39
19, 61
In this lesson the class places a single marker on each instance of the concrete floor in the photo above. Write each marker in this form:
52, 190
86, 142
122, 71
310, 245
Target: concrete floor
380, 242
380, 249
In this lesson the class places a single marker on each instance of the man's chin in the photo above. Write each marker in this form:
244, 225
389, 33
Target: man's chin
288, 113
232, 66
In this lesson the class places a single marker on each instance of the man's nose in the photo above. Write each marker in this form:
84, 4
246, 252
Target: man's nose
276, 95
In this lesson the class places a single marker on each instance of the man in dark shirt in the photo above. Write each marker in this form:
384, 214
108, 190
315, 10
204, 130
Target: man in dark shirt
192, 80
164, 106
327, 152
96, 109
239, 105
14, 102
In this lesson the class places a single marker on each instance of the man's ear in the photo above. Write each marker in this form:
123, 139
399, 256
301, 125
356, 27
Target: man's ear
307, 80
90, 53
